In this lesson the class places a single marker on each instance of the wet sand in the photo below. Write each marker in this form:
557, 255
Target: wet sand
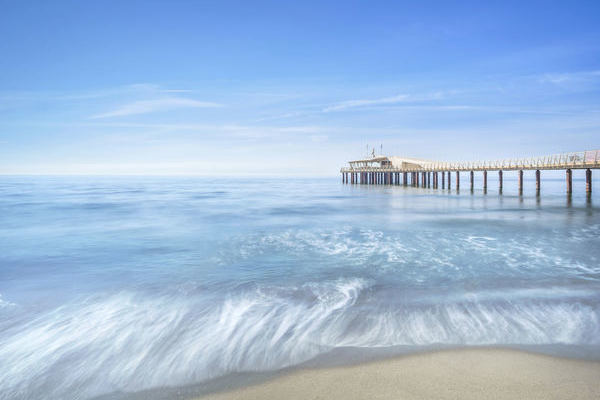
453, 374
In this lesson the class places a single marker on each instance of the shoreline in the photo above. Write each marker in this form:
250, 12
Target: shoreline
467, 373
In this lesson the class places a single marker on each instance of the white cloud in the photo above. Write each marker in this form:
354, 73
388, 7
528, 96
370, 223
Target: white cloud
273, 132
300, 129
570, 77
319, 138
176, 91
150, 106
280, 116
401, 98
371, 102
128, 131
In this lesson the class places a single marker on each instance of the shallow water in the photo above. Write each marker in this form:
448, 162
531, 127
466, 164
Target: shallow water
119, 285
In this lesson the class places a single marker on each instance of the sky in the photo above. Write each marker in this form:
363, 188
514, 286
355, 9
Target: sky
290, 87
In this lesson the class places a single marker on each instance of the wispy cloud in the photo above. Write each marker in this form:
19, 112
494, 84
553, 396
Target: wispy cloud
370, 102
218, 131
176, 90
143, 89
401, 98
281, 116
319, 138
570, 77
151, 106
255, 132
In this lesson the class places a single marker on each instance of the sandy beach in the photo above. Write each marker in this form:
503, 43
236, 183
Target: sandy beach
453, 374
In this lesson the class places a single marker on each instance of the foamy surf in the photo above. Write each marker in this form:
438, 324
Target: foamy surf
128, 342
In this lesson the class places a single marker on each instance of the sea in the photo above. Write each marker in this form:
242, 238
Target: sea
136, 287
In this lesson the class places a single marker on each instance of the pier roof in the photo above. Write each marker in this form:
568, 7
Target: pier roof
393, 161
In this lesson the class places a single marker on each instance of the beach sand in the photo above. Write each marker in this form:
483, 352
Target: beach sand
453, 374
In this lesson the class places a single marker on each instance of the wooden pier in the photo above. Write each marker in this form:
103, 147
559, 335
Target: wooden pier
388, 170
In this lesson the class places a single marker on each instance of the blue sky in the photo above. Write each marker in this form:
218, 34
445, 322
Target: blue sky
292, 88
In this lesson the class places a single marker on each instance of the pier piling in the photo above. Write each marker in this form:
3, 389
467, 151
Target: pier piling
457, 180
537, 181
500, 181
472, 179
588, 180
485, 180
569, 181
520, 181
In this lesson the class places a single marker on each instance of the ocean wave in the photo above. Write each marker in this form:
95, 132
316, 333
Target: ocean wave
5, 303
356, 245
423, 253
134, 341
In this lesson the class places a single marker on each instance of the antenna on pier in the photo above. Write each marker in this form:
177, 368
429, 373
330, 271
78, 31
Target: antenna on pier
381, 149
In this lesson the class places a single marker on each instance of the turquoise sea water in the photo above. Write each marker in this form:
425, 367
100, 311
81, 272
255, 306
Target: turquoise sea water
112, 286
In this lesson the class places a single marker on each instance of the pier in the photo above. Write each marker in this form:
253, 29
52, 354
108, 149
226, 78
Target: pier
392, 170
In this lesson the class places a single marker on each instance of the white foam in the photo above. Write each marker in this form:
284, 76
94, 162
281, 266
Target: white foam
5, 303
424, 254
129, 342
